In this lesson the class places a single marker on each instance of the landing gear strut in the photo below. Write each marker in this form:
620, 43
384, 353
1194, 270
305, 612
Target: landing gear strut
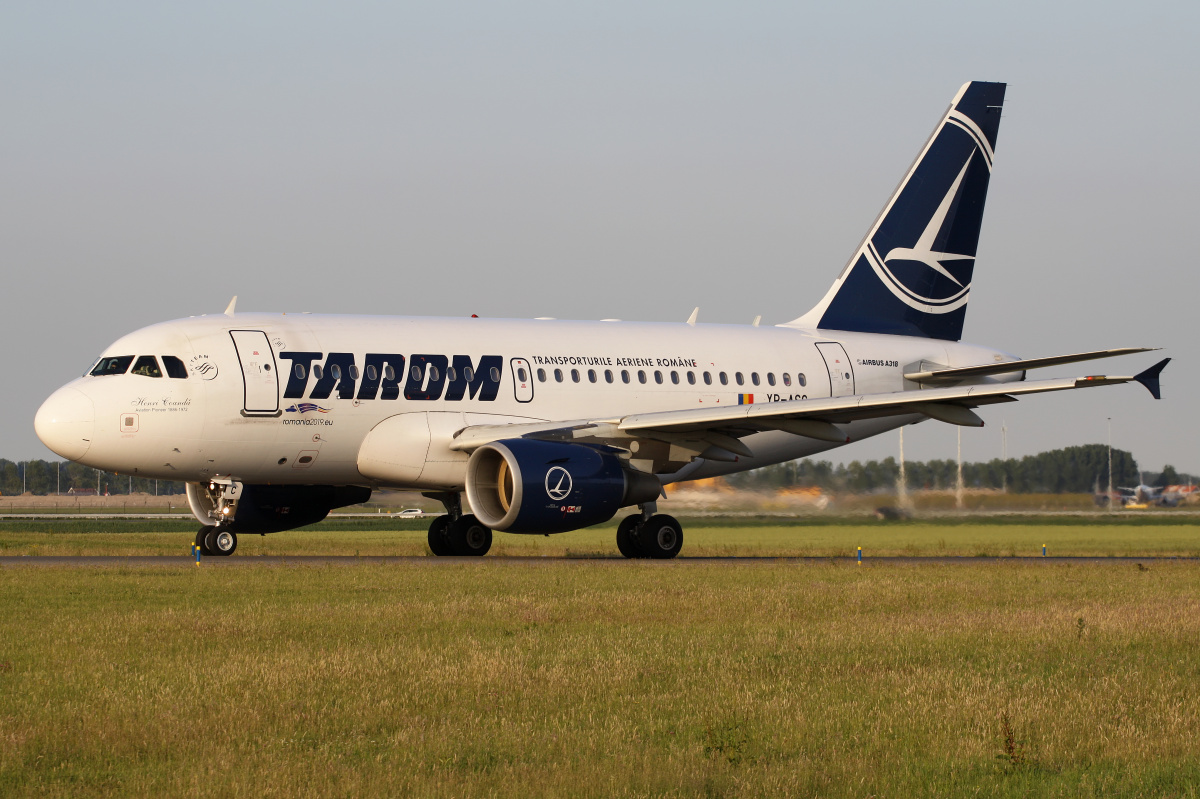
650, 535
457, 533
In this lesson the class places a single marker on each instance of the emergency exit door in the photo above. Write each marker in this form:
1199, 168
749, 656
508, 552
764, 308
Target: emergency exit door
841, 375
260, 373
522, 379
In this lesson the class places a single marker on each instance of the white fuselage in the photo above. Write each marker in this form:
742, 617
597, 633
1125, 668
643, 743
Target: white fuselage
245, 412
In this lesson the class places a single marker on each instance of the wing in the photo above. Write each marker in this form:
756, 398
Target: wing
964, 372
715, 433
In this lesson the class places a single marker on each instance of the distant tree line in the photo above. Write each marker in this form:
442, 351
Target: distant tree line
49, 477
1070, 470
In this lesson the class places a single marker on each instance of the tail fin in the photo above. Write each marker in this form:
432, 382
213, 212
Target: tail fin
912, 273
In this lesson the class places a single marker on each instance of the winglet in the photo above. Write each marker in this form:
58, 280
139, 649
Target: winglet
692, 319
1149, 378
231, 306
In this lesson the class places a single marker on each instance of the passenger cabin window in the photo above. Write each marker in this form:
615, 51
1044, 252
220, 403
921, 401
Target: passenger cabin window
770, 378
738, 377
675, 378
658, 377
318, 371
558, 375
691, 378
724, 379
353, 372
574, 375
754, 378
494, 373
608, 377
641, 376
147, 366
521, 374
624, 375
541, 373
801, 379
591, 375
300, 371
372, 373
389, 373
116, 365
469, 374
175, 367
787, 379
336, 372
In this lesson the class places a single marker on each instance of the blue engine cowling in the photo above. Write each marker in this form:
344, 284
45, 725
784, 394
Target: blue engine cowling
523, 485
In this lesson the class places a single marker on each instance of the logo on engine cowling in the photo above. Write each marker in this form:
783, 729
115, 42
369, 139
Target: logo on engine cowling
558, 483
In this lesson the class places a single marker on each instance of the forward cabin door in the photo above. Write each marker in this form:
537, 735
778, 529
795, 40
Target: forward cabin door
260, 373
841, 375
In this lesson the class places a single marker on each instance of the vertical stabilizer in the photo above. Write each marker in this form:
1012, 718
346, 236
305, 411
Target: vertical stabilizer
911, 275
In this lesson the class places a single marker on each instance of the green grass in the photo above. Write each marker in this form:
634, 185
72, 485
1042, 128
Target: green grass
564, 679
990, 536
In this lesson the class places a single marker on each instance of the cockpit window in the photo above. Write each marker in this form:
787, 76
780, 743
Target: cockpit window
175, 367
147, 365
114, 365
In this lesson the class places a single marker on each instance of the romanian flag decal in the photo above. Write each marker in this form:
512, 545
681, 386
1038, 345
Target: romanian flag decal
745, 399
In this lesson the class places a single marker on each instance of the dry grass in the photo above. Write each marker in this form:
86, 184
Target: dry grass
568, 680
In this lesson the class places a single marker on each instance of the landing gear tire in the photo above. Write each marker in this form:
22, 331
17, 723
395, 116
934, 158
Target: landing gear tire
202, 540
222, 542
468, 537
626, 541
661, 537
439, 544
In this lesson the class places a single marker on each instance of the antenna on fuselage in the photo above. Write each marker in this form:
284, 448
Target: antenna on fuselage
232, 305
691, 320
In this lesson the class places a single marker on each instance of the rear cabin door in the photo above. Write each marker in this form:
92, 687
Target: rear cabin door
522, 379
841, 375
260, 373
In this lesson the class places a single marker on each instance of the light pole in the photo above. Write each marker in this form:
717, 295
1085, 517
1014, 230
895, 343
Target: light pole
958, 483
1110, 486
1004, 453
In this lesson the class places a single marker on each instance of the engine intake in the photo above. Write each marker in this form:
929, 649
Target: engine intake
523, 485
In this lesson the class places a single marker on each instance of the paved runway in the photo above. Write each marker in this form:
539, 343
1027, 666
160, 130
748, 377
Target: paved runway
422, 560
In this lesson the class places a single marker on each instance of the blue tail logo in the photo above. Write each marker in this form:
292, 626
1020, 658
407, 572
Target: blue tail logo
912, 273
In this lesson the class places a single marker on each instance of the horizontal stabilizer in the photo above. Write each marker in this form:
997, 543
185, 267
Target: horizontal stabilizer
1149, 378
1007, 367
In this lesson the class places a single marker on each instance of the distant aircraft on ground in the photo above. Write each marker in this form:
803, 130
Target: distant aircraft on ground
550, 426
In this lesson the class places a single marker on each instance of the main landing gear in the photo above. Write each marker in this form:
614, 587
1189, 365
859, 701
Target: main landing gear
457, 533
650, 535
215, 541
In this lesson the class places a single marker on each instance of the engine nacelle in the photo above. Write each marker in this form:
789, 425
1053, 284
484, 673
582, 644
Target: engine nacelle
523, 485
274, 508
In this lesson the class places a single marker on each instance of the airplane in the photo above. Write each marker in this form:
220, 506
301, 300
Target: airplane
550, 426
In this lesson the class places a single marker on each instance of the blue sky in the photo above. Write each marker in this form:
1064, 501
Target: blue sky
627, 160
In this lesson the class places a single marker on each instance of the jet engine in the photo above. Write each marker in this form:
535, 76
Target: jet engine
268, 508
524, 485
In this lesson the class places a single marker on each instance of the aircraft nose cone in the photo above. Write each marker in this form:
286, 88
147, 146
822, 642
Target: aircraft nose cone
65, 423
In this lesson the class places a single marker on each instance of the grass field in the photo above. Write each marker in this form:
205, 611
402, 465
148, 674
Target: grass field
1164, 534
562, 679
